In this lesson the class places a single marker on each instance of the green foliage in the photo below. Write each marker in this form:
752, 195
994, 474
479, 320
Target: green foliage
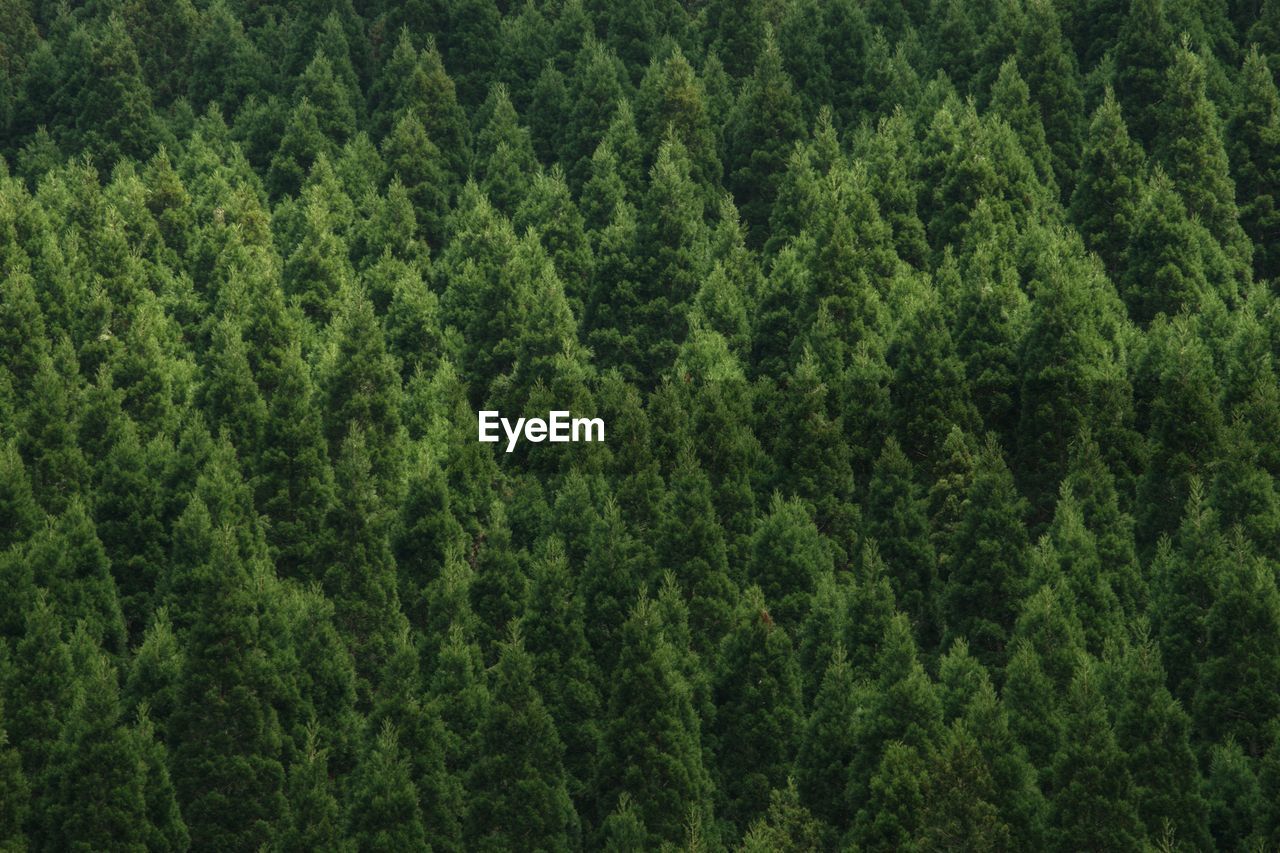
935, 344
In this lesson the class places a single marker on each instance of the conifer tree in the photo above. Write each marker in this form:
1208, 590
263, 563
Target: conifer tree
788, 555
1048, 63
903, 717
294, 485
1011, 100
518, 787
382, 810
1093, 801
897, 521
15, 794
960, 794
225, 731
315, 821
928, 389
1144, 51
652, 747
1185, 423
69, 559
95, 788
990, 560
758, 710
361, 388
1233, 794
40, 688
1153, 731
692, 545
360, 571
554, 634
761, 131
414, 159
1253, 142
1242, 648
829, 743
1193, 150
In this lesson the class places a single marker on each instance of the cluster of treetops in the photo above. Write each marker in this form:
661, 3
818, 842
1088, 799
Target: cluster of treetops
936, 343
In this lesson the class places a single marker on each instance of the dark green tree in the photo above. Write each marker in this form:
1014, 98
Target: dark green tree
382, 808
518, 787
1093, 805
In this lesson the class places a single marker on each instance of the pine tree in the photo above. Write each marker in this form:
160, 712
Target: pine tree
1048, 63
95, 788
128, 521
1185, 425
692, 545
360, 571
294, 485
15, 794
1153, 731
518, 792
1194, 153
413, 158
382, 808
960, 796
1144, 51
786, 826
1242, 647
69, 559
226, 735
829, 743
903, 716
361, 387
1253, 142
1011, 101
400, 701
1232, 791
990, 560
1093, 803
896, 520
787, 557
758, 710
928, 391
40, 689
652, 746
761, 131
315, 821
554, 634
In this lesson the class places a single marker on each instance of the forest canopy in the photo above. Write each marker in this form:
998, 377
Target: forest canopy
937, 347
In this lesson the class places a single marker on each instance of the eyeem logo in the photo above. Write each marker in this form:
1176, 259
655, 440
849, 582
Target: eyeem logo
558, 427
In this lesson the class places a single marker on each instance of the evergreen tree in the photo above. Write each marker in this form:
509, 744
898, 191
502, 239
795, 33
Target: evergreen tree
1143, 53
897, 521
95, 788
761, 131
990, 560
828, 746
383, 812
758, 719
1153, 731
652, 747
1195, 155
518, 787
1242, 635
1093, 803
1048, 63
225, 730
15, 795
787, 557
1253, 142
314, 818
360, 575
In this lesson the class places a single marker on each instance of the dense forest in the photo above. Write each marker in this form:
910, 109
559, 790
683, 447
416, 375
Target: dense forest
936, 344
